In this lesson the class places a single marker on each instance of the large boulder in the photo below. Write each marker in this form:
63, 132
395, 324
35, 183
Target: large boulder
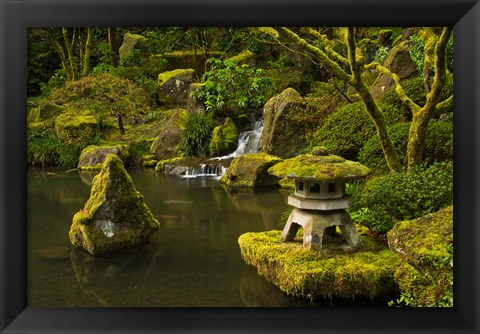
425, 247
165, 145
398, 61
133, 42
224, 138
251, 171
174, 85
93, 157
70, 128
115, 217
281, 135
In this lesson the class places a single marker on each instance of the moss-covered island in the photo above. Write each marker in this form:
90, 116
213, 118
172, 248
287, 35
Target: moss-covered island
368, 272
115, 217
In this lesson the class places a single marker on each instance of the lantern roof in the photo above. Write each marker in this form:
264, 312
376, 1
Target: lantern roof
322, 167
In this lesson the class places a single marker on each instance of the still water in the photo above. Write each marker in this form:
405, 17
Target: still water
193, 260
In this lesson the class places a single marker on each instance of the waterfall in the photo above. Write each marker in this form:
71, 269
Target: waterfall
248, 141
205, 170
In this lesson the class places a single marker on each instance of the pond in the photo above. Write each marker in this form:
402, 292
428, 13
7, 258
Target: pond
192, 261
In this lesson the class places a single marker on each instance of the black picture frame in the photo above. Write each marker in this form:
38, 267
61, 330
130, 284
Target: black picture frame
17, 15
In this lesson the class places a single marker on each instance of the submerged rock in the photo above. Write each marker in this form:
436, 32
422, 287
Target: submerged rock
425, 246
115, 216
251, 171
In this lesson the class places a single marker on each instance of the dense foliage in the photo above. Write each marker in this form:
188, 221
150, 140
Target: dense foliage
196, 135
229, 85
383, 201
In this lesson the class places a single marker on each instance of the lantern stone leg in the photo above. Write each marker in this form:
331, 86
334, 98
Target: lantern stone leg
315, 223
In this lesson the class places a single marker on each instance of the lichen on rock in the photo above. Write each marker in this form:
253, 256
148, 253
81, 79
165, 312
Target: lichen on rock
115, 217
174, 86
251, 171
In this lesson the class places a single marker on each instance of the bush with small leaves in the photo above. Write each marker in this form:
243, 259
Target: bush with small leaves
385, 200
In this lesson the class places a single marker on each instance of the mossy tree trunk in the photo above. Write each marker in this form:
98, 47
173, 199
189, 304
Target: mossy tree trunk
74, 48
350, 69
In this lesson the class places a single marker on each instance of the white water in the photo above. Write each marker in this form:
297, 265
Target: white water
205, 170
248, 142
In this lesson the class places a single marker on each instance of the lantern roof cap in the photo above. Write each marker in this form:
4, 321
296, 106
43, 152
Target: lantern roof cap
324, 168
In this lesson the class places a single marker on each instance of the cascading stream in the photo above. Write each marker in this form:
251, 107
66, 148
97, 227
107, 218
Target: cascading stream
248, 142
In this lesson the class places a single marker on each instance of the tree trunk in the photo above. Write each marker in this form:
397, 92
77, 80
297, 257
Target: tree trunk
88, 52
112, 45
417, 137
120, 125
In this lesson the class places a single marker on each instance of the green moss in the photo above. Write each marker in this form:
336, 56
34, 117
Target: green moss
114, 202
323, 168
250, 171
309, 274
92, 157
160, 166
243, 56
224, 138
131, 42
425, 246
165, 76
70, 127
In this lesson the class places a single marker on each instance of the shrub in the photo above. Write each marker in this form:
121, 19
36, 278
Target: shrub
196, 134
345, 131
401, 196
439, 145
228, 85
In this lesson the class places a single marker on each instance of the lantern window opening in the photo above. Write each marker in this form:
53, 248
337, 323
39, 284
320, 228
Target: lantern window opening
332, 188
315, 188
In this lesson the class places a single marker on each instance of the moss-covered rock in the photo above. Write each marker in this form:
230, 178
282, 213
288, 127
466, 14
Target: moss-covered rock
425, 246
174, 86
93, 157
132, 42
251, 171
398, 61
281, 136
165, 145
149, 161
310, 274
224, 138
115, 216
188, 59
71, 128
245, 57
323, 168
47, 111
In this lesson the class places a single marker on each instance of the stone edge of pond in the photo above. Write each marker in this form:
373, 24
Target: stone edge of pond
299, 272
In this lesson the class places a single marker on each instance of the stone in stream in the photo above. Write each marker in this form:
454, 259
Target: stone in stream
115, 217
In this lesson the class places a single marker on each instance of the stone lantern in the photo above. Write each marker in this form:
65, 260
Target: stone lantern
319, 199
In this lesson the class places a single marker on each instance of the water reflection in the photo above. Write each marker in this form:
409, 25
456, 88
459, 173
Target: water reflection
192, 261
124, 273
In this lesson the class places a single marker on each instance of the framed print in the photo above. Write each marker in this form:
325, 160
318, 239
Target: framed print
102, 100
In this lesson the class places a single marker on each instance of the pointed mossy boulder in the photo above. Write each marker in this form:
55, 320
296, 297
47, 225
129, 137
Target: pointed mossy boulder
115, 217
